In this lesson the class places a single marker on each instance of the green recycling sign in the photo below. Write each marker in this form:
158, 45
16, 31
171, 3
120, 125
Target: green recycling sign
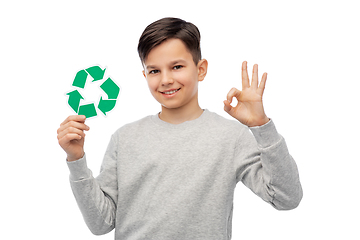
107, 86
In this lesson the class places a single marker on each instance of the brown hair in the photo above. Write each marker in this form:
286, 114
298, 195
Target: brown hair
167, 28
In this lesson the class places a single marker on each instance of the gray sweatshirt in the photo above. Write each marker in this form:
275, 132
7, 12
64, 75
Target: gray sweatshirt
164, 181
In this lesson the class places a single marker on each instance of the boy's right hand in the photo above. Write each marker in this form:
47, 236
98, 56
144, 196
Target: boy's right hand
71, 136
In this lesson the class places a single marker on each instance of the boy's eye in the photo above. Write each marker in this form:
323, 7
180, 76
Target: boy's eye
178, 67
153, 71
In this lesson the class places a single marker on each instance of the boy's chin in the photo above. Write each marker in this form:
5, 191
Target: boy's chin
170, 106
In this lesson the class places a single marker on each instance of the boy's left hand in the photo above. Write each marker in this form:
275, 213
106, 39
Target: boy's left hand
249, 109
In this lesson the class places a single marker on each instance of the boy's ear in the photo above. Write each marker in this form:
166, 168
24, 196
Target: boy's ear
144, 73
202, 69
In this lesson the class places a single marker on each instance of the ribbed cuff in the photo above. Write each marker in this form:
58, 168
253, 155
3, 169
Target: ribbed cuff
79, 170
266, 135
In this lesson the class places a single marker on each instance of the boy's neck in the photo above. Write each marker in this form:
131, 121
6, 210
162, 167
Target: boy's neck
180, 115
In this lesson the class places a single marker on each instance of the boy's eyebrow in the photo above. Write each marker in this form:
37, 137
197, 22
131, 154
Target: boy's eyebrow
150, 67
177, 61
171, 63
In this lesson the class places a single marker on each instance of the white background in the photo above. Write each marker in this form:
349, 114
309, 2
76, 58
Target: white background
310, 50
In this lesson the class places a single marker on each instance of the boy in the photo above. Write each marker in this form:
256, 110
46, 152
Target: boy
172, 175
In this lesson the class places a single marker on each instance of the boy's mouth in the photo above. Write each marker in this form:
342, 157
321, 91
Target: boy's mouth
171, 91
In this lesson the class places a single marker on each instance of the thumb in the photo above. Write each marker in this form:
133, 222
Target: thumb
227, 107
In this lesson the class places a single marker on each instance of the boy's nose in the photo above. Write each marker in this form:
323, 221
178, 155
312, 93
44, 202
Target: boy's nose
167, 79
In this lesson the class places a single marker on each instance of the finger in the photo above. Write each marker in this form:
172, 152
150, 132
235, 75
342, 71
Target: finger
229, 109
76, 118
262, 84
71, 130
244, 75
227, 106
233, 93
255, 81
73, 125
64, 141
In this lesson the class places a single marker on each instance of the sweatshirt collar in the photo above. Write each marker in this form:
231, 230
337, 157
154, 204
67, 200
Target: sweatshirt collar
156, 119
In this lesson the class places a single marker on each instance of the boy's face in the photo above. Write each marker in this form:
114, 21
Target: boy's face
172, 75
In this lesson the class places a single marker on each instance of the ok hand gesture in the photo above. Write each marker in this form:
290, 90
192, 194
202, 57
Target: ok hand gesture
249, 109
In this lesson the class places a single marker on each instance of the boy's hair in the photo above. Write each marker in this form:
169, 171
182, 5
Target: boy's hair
167, 28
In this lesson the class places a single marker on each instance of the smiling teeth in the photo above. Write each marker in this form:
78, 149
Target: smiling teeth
171, 92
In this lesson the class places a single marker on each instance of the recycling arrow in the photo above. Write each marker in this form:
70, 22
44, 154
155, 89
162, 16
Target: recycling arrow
108, 86
96, 72
74, 99
88, 110
106, 105
80, 79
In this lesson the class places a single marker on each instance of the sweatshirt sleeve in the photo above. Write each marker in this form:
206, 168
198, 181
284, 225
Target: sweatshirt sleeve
96, 197
265, 166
